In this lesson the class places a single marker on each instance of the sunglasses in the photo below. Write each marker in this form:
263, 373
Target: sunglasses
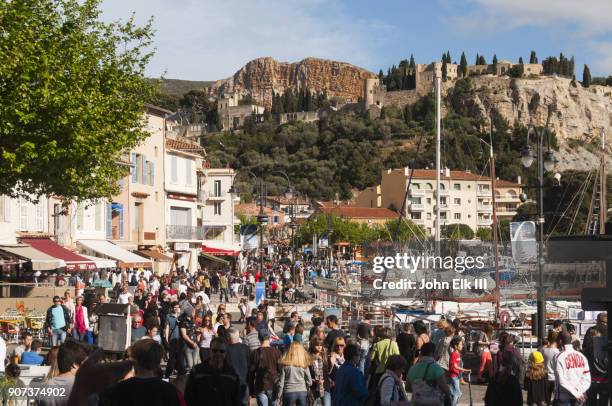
220, 351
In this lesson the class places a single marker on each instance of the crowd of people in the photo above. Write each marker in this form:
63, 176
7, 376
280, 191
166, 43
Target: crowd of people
178, 321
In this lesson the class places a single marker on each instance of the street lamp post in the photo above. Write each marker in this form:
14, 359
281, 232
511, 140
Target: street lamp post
546, 162
262, 219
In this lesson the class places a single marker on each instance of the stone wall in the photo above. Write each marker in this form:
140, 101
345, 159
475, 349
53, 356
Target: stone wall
400, 98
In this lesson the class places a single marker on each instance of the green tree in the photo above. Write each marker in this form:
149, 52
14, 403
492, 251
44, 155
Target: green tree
484, 234
457, 231
494, 64
532, 57
482, 60
586, 76
520, 60
477, 62
444, 69
72, 97
463, 66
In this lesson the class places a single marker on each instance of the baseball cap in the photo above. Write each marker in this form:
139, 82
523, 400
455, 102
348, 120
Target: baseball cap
537, 357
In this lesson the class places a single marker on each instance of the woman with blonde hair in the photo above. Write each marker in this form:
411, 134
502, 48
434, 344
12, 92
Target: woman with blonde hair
294, 379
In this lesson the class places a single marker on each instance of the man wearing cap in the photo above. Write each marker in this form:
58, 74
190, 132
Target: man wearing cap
264, 370
58, 321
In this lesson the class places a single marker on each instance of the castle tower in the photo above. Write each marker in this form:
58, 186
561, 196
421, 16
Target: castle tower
369, 88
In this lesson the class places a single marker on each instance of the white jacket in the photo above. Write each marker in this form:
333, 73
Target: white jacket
571, 372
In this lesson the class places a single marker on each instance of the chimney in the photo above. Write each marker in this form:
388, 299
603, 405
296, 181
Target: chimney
518, 179
447, 172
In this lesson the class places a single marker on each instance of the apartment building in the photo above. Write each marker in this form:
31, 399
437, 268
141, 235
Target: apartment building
142, 191
20, 215
183, 234
465, 197
216, 208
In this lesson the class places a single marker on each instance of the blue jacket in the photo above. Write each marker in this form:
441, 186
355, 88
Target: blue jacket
350, 387
31, 358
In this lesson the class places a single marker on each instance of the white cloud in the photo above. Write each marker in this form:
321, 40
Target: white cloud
589, 17
208, 39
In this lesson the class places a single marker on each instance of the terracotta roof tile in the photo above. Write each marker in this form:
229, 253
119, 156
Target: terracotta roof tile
359, 212
183, 145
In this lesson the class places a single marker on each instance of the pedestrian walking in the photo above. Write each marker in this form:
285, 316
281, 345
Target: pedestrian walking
58, 321
214, 382
294, 380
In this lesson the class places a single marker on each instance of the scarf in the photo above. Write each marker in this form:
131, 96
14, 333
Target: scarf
79, 323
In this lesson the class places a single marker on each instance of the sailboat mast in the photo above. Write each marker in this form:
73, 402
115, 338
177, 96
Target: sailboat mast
438, 78
494, 224
603, 203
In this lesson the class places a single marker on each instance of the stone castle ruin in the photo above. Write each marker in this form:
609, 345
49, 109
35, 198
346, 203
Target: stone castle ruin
376, 94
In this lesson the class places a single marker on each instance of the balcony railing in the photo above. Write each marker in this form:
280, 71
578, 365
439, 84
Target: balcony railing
213, 196
417, 207
507, 199
417, 192
419, 222
483, 193
174, 232
485, 208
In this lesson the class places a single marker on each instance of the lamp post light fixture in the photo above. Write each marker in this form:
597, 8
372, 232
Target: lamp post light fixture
546, 162
262, 218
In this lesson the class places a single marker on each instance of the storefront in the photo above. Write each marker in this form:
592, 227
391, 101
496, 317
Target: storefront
106, 249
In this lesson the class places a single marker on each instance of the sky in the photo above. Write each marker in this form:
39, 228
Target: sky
211, 39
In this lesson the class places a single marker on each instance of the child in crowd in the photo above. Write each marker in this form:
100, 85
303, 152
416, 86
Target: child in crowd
535, 380
455, 369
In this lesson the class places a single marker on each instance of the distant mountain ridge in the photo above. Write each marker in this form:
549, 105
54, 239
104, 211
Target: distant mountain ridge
178, 87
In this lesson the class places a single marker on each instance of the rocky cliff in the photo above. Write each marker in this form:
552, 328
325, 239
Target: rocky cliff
262, 76
576, 114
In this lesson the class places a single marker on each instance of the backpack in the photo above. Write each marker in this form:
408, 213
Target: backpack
373, 398
425, 392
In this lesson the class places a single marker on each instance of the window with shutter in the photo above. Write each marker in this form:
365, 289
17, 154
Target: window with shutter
39, 216
134, 168
23, 214
109, 221
173, 169
143, 169
121, 222
98, 216
188, 174
151, 174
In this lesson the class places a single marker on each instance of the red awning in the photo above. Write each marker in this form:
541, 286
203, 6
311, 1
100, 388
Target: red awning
219, 252
74, 262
